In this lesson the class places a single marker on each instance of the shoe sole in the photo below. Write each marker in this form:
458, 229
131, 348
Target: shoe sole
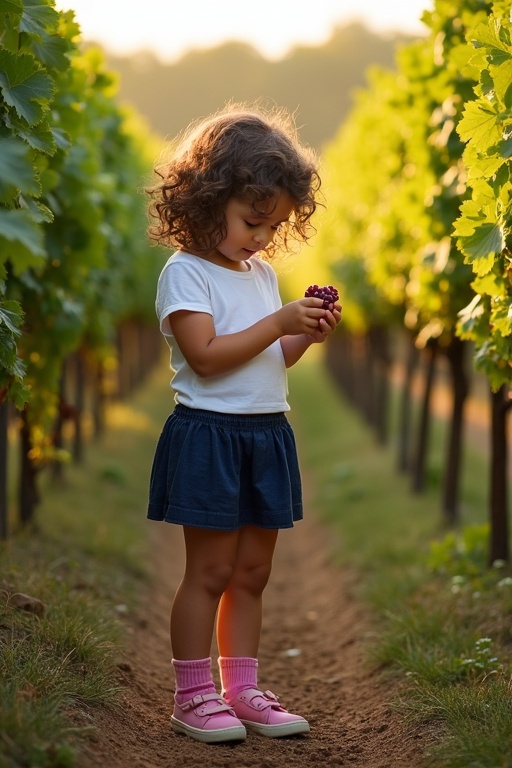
236, 733
276, 731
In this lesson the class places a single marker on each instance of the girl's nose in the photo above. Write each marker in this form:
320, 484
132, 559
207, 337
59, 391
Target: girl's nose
261, 238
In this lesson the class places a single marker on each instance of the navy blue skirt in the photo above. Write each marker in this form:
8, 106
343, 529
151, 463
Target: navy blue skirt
224, 471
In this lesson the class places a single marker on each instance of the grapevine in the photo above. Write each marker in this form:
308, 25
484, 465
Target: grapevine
484, 227
74, 262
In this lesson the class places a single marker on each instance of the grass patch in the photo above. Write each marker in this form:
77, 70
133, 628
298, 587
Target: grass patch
67, 584
442, 618
476, 723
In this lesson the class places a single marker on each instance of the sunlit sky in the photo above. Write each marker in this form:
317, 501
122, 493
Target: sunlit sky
172, 27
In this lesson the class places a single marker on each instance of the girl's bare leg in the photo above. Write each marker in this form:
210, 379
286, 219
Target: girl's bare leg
240, 609
210, 560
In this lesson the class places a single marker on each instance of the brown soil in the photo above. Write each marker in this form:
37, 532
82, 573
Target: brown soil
312, 655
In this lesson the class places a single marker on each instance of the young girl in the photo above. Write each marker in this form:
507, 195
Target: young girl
225, 468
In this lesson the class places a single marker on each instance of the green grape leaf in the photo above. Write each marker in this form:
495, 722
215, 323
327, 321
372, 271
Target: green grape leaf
489, 36
17, 227
485, 166
469, 317
38, 18
41, 138
19, 394
490, 285
39, 212
480, 124
505, 147
14, 7
25, 86
501, 180
8, 351
507, 99
502, 77
9, 34
52, 51
501, 318
486, 87
485, 361
471, 216
11, 316
69, 27
16, 171
480, 247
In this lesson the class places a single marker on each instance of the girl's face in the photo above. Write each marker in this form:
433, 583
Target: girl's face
250, 229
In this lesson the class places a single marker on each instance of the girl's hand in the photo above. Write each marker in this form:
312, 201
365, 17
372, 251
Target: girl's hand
318, 325
302, 316
327, 324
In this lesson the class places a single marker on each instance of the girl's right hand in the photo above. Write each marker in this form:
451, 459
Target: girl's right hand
300, 316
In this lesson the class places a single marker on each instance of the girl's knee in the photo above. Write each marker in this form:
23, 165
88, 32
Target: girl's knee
215, 579
253, 578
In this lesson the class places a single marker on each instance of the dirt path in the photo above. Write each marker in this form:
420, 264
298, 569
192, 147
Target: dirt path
308, 611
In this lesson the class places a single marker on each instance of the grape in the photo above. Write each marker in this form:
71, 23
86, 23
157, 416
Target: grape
328, 293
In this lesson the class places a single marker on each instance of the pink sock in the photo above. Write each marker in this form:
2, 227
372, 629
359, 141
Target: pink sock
237, 673
192, 677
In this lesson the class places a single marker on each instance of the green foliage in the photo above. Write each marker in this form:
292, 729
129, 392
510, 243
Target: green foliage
27, 93
25, 87
482, 661
73, 253
15, 172
484, 228
419, 188
461, 554
12, 371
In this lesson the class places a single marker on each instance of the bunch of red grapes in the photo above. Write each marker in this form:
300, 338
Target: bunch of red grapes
328, 293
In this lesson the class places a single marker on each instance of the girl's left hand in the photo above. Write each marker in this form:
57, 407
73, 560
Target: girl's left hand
327, 325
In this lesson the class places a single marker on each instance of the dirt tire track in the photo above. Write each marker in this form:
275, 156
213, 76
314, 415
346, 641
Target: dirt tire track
308, 607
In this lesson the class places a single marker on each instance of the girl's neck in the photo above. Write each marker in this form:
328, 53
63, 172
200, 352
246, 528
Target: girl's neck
214, 257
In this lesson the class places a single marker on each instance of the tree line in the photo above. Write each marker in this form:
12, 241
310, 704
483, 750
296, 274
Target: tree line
316, 83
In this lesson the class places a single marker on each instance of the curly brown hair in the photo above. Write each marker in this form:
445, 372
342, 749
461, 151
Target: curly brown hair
241, 153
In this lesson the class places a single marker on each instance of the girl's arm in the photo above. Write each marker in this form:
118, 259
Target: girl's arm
212, 355
295, 346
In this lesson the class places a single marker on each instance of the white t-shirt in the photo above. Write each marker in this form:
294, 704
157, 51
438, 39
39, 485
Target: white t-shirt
235, 300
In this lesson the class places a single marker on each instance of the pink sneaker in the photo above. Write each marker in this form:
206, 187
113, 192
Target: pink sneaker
207, 718
262, 713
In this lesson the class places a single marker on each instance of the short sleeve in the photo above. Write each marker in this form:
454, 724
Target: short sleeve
182, 285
